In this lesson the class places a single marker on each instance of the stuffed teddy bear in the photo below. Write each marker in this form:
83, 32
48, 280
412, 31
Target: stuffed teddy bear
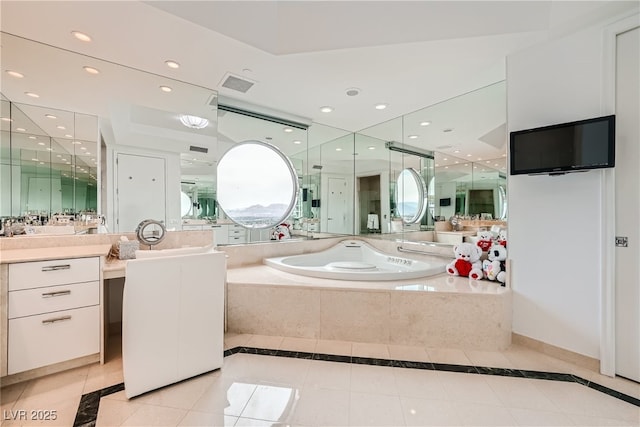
485, 240
494, 267
467, 262
502, 237
281, 232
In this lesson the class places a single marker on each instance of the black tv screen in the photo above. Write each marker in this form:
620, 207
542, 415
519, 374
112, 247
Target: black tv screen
445, 202
567, 147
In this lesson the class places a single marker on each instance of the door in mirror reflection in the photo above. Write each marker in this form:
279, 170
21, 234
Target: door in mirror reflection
257, 185
410, 196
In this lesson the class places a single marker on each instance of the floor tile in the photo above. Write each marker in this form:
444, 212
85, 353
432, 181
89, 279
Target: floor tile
468, 388
343, 348
378, 351
321, 407
250, 422
419, 383
150, 415
182, 395
369, 409
265, 341
373, 379
407, 352
520, 393
232, 340
307, 345
493, 359
115, 412
590, 421
534, 418
331, 375
195, 418
475, 414
429, 412
271, 403
225, 396
448, 355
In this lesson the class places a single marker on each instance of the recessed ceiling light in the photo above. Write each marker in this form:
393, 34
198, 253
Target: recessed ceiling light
32, 95
83, 148
297, 142
68, 136
61, 127
381, 106
326, 109
49, 149
488, 161
288, 130
504, 155
468, 155
353, 91
76, 142
91, 70
413, 136
437, 165
165, 88
50, 116
6, 119
58, 155
15, 74
81, 36
479, 158
21, 129
425, 123
40, 143
86, 153
338, 149
456, 151
172, 64
32, 137
35, 160
371, 147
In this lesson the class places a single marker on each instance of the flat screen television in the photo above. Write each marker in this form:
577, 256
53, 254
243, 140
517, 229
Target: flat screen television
445, 202
567, 147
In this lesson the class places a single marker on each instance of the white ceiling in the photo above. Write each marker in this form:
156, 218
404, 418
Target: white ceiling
304, 54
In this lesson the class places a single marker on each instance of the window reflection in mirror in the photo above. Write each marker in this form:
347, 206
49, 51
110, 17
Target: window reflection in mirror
410, 196
251, 202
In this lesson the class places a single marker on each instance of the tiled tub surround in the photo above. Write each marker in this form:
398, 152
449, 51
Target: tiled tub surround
439, 311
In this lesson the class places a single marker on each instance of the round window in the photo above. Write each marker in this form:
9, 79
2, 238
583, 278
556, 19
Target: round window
257, 184
410, 196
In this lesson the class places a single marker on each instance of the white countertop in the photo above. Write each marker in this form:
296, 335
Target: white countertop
39, 254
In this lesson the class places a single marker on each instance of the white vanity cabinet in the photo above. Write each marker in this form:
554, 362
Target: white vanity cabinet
231, 234
53, 312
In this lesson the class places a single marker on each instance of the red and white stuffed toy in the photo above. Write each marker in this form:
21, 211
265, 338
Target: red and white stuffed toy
467, 262
494, 268
281, 231
502, 237
485, 240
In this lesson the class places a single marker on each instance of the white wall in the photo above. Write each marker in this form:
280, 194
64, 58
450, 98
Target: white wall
555, 237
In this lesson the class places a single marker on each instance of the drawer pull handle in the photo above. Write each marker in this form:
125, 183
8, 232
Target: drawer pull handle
56, 319
56, 294
56, 267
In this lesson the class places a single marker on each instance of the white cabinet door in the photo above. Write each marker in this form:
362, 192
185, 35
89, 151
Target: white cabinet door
140, 190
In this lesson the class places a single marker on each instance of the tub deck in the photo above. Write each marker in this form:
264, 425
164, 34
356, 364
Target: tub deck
436, 311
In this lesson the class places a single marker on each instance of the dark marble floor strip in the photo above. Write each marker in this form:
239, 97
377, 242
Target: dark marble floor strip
90, 402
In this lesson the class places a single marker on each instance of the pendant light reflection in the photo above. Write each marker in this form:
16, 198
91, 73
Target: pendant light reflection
193, 122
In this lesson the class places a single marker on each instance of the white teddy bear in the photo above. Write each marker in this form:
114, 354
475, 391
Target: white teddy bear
494, 267
467, 262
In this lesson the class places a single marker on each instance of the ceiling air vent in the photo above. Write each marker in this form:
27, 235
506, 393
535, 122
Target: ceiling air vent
198, 149
236, 83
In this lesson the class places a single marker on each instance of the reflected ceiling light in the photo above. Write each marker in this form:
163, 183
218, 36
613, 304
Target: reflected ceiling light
83, 148
425, 123
49, 149
35, 160
58, 155
68, 135
338, 149
413, 136
297, 142
32, 95
40, 143
172, 64
445, 159
288, 130
61, 127
50, 116
456, 151
15, 74
81, 36
165, 88
371, 147
326, 109
6, 119
468, 155
42, 163
381, 106
193, 122
32, 137
21, 129
91, 70
392, 146
76, 142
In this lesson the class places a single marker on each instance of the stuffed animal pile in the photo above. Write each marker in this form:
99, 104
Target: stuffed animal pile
467, 258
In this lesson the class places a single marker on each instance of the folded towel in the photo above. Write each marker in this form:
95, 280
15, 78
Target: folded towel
373, 222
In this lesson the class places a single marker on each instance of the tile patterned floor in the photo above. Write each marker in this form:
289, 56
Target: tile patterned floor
268, 381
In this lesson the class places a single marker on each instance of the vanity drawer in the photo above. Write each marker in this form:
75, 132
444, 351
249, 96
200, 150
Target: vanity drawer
28, 302
45, 339
28, 275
